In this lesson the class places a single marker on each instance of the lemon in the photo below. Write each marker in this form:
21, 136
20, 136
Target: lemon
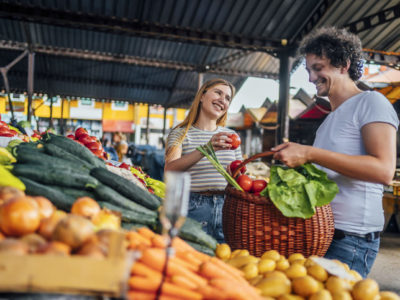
223, 251
266, 265
335, 284
295, 256
366, 289
321, 295
295, 271
274, 286
276, 273
256, 280
290, 297
356, 275
282, 264
341, 295
271, 254
388, 296
318, 272
250, 271
299, 261
241, 261
305, 286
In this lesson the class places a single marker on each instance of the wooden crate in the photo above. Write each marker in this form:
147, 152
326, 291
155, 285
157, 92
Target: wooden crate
73, 274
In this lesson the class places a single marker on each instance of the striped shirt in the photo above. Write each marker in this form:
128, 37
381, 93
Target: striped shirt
204, 176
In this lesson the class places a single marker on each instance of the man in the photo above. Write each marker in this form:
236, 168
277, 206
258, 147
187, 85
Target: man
355, 145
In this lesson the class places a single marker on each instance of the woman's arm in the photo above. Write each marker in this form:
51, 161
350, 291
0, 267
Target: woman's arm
377, 166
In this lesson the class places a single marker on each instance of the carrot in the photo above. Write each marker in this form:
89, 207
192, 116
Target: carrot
210, 292
135, 239
159, 241
155, 259
153, 284
186, 264
136, 295
235, 291
189, 257
238, 274
146, 232
211, 270
141, 269
183, 282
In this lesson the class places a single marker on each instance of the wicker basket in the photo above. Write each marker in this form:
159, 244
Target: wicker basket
254, 223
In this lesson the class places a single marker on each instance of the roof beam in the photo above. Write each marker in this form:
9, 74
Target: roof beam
37, 14
128, 59
374, 20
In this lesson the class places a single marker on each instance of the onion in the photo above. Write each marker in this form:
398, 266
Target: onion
85, 207
9, 192
19, 216
46, 208
73, 230
55, 248
92, 249
106, 219
47, 225
34, 242
13, 246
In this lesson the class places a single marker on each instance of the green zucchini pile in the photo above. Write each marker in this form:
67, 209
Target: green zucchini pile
63, 170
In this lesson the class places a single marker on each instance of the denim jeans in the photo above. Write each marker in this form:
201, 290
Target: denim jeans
208, 211
357, 252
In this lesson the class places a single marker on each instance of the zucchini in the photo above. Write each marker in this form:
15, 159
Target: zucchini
37, 158
56, 151
192, 231
107, 194
74, 193
54, 175
201, 248
33, 146
129, 216
75, 148
60, 200
126, 188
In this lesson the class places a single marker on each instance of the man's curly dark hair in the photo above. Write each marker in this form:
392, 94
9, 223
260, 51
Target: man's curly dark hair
338, 45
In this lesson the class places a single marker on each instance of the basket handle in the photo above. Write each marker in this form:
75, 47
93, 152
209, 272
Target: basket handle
251, 158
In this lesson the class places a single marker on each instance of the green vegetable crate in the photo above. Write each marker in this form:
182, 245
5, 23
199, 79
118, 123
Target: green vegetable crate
254, 222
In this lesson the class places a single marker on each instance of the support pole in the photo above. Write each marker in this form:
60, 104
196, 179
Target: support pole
31, 66
148, 125
164, 122
51, 113
62, 117
282, 132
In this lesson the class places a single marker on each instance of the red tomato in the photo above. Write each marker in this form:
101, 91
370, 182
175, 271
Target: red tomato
233, 166
125, 166
71, 136
79, 142
3, 124
235, 141
80, 131
258, 185
94, 146
6, 133
96, 152
85, 138
245, 182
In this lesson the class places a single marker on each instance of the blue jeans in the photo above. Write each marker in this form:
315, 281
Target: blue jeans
207, 209
357, 252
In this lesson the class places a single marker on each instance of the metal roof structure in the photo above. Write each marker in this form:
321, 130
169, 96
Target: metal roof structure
152, 51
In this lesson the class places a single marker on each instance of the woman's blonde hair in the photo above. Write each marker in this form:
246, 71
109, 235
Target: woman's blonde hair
194, 110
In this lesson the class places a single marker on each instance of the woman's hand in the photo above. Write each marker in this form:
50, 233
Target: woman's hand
291, 154
221, 141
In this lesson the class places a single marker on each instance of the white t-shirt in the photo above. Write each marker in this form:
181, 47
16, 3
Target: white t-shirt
358, 205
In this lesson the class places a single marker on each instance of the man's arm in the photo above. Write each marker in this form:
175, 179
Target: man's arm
377, 166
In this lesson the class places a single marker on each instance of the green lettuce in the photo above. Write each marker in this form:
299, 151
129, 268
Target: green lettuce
296, 192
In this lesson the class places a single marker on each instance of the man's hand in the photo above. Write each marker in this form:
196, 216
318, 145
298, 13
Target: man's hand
291, 154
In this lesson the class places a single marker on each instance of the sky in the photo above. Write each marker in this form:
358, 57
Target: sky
254, 91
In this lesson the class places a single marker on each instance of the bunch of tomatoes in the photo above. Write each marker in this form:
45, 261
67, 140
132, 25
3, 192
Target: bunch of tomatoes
81, 136
246, 183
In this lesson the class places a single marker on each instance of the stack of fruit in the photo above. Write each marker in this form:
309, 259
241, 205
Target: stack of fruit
297, 277
82, 137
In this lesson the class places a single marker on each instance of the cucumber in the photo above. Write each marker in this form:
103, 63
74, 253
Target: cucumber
60, 200
107, 194
37, 158
201, 248
56, 151
74, 148
55, 175
34, 146
192, 231
74, 193
126, 188
129, 216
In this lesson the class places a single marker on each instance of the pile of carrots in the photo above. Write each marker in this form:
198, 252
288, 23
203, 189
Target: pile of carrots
190, 274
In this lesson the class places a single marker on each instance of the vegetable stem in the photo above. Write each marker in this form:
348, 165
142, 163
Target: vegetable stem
208, 151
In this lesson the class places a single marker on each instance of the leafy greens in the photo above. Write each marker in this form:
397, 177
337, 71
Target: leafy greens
296, 192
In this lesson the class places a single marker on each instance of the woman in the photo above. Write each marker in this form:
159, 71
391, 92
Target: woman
205, 122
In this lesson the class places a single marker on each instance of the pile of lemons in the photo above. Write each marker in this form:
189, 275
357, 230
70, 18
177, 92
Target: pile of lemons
298, 278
